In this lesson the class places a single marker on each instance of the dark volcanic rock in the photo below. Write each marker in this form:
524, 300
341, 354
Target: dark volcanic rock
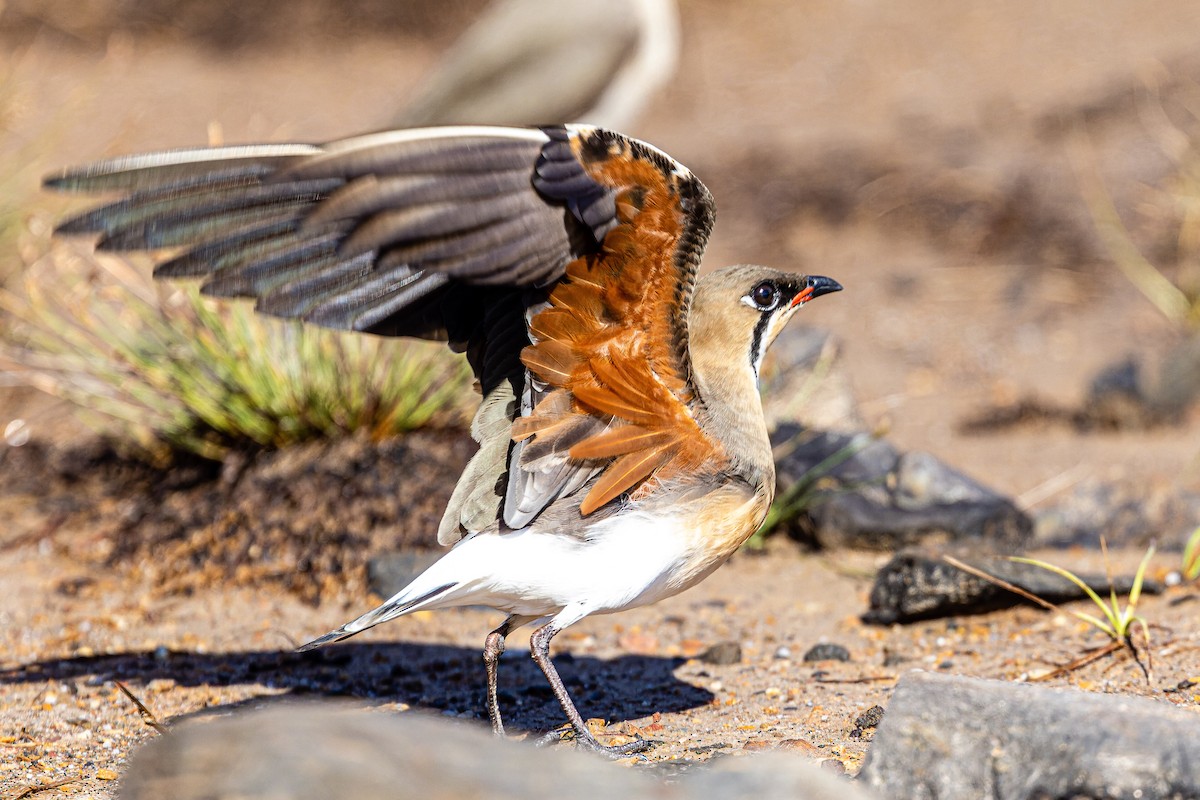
863, 492
827, 651
919, 584
869, 718
323, 752
966, 737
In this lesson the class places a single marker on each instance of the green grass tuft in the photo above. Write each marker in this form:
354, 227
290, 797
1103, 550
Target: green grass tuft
164, 369
1174, 291
1118, 622
1191, 556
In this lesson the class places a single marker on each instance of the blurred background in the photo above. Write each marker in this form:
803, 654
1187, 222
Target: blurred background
1009, 192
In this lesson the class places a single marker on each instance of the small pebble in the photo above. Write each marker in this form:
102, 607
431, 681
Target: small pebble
16, 433
869, 718
834, 766
827, 651
783, 652
722, 654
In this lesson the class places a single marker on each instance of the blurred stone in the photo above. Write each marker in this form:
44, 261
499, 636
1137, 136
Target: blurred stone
322, 752
388, 573
1127, 514
330, 752
722, 654
861, 491
966, 737
1116, 399
1178, 386
827, 651
919, 584
768, 776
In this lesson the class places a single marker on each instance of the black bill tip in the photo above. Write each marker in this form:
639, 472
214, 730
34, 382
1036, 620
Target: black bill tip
820, 285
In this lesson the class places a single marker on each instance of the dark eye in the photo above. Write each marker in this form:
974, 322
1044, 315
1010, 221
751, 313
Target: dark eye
765, 295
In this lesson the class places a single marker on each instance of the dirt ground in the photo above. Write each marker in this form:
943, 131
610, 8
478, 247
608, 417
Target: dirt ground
924, 155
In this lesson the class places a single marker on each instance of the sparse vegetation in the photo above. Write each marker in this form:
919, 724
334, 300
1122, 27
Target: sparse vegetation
806, 492
165, 369
1174, 291
1118, 622
1191, 556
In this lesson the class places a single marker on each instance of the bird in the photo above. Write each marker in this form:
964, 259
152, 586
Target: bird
622, 449
607, 61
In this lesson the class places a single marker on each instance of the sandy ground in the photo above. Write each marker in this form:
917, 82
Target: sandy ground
922, 155
62, 716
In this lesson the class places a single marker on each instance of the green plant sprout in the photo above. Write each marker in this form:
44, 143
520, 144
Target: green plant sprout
1191, 556
1118, 622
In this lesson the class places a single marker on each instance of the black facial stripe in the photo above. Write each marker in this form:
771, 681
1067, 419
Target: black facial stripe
760, 330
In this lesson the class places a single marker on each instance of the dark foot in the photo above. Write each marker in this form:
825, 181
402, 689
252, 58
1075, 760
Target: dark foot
592, 745
613, 750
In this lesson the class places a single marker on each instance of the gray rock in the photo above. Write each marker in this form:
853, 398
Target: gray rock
328, 752
771, 776
861, 491
1127, 513
919, 584
1178, 387
966, 737
1123, 398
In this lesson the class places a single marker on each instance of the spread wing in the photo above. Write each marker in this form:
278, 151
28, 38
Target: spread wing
560, 260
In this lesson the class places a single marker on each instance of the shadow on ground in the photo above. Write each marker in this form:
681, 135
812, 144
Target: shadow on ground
435, 677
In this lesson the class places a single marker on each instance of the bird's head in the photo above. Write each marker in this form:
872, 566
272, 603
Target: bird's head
737, 312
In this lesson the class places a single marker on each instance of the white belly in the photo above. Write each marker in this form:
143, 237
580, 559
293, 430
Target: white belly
629, 560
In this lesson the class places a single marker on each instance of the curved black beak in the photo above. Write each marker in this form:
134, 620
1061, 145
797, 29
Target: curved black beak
815, 286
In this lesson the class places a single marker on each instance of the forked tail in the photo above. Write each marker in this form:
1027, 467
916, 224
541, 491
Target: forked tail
397, 606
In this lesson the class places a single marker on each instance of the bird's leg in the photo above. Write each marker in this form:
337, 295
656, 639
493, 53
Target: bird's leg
539, 646
493, 647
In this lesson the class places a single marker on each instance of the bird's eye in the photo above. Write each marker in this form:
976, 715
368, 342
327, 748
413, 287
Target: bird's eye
765, 295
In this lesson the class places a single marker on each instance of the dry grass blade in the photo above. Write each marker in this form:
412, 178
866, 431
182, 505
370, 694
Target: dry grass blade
1080, 662
859, 679
1119, 623
29, 791
146, 715
1003, 584
1168, 298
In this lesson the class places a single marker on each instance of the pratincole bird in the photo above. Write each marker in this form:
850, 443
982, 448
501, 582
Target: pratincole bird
607, 60
623, 455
